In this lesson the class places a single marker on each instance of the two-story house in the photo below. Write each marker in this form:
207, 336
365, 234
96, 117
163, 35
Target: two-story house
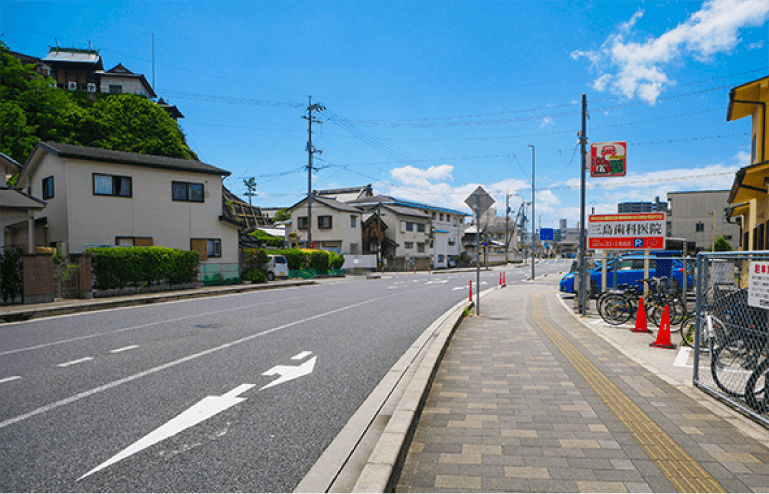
335, 226
17, 208
100, 197
749, 197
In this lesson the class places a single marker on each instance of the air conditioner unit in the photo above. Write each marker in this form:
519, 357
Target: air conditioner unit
72, 86
91, 88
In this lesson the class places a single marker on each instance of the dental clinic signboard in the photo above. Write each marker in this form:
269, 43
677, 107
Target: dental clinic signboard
608, 159
638, 231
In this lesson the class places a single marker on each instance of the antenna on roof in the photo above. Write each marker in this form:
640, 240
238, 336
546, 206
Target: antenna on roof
57, 43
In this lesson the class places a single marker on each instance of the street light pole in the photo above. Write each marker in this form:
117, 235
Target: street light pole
533, 215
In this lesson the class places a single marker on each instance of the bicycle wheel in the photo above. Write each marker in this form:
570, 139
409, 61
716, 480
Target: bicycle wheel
677, 311
616, 309
755, 390
732, 364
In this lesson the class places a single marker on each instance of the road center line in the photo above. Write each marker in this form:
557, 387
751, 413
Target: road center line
124, 349
154, 370
9, 379
73, 362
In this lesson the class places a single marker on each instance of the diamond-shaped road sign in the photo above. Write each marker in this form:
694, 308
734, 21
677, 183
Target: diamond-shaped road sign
480, 199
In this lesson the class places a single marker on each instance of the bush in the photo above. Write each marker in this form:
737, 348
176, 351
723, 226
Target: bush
267, 239
11, 283
319, 261
116, 267
255, 259
254, 275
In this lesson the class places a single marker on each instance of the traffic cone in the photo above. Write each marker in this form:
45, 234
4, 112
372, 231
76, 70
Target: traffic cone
663, 336
640, 320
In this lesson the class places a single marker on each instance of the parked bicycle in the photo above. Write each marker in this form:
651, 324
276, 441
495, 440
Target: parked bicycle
618, 306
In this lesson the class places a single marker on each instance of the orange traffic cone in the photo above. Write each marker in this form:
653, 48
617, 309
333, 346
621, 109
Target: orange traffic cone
640, 320
663, 336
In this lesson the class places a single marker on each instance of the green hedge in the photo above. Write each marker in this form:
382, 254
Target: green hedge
267, 239
115, 267
318, 260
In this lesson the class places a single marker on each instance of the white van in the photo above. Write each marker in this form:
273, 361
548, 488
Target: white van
277, 267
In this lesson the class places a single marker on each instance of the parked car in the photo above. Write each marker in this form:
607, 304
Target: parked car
451, 262
277, 267
630, 272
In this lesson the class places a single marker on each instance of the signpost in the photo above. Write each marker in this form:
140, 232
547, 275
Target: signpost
642, 231
608, 159
479, 201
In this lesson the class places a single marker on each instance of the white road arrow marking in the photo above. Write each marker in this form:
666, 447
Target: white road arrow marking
206, 408
289, 372
459, 288
436, 282
301, 356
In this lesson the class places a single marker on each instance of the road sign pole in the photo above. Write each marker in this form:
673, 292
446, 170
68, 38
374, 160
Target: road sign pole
477, 253
583, 152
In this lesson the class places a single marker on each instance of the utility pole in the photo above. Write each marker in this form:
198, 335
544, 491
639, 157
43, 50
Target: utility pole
310, 151
583, 145
533, 203
507, 222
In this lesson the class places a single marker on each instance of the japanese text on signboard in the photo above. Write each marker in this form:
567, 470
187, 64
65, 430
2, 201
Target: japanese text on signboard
758, 287
627, 231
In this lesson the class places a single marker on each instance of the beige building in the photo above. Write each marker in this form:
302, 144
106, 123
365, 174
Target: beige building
98, 197
336, 226
700, 216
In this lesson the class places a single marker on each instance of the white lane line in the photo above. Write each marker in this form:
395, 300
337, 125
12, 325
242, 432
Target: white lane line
392, 287
78, 361
124, 349
141, 326
459, 288
683, 357
174, 363
9, 379
300, 356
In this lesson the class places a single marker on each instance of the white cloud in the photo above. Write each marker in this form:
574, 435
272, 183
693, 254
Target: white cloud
410, 175
640, 65
545, 122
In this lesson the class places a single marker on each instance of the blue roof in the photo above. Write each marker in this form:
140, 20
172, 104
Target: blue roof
401, 202
441, 231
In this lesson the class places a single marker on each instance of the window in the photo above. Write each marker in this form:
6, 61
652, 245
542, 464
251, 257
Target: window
353, 221
420, 246
187, 191
112, 185
441, 258
433, 214
207, 247
408, 245
47, 187
441, 216
451, 242
134, 241
301, 223
455, 221
324, 222
700, 227
409, 227
354, 249
115, 89
420, 227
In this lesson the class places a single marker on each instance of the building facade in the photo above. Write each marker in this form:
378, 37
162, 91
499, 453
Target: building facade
701, 216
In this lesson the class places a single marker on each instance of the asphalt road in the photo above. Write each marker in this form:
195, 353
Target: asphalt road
232, 393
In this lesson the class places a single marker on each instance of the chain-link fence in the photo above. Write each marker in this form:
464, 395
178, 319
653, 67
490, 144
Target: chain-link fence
730, 328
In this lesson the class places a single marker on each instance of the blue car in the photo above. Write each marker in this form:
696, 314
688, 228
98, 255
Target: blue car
631, 272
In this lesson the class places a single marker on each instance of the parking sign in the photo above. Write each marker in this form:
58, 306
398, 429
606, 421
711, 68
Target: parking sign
626, 231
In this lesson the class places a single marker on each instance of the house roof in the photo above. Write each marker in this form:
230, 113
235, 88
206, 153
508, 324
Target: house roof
171, 109
74, 55
12, 198
9, 164
347, 194
246, 215
332, 203
749, 181
745, 96
119, 157
374, 200
406, 211
119, 71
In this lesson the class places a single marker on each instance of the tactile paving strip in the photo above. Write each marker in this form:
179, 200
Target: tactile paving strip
675, 463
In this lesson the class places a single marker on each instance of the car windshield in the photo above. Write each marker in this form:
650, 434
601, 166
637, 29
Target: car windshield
280, 260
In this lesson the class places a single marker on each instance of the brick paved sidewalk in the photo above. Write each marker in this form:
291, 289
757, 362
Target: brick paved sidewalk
528, 399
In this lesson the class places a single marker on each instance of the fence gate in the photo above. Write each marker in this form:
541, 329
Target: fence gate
730, 331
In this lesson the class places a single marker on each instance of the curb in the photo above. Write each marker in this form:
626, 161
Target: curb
25, 313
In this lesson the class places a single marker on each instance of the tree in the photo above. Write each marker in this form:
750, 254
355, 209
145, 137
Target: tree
722, 245
33, 109
250, 184
282, 215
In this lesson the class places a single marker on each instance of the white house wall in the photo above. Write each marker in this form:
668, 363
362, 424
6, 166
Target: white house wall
78, 216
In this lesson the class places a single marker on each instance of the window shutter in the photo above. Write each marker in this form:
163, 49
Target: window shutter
143, 242
201, 246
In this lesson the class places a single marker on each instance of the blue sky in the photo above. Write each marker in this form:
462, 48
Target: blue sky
428, 100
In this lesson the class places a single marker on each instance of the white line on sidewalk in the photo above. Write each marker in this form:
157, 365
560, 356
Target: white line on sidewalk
683, 357
125, 348
9, 379
78, 361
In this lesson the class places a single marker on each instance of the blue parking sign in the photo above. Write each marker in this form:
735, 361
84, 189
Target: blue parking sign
638, 242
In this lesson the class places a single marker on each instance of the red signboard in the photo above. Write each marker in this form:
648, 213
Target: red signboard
608, 159
641, 231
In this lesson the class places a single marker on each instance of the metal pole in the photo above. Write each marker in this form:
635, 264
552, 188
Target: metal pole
583, 142
507, 223
533, 214
309, 172
477, 254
